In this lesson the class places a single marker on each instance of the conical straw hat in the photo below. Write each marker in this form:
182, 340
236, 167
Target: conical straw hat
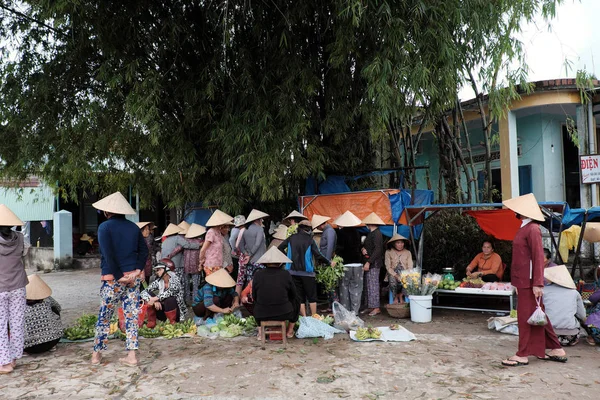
220, 278
114, 203
195, 230
184, 227
255, 214
295, 215
280, 233
273, 256
592, 232
560, 276
317, 220
37, 289
395, 238
317, 231
141, 225
171, 230
525, 205
347, 220
373, 219
8, 218
219, 218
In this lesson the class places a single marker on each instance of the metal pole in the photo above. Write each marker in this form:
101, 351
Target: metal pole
560, 234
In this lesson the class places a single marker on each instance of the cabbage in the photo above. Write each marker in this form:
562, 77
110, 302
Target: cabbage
231, 331
215, 329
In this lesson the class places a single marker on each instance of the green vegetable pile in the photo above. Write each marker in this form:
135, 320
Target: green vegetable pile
84, 328
231, 326
329, 276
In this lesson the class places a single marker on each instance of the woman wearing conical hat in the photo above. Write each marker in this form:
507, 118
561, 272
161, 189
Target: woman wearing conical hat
527, 276
191, 257
43, 327
124, 253
211, 253
253, 245
373, 252
146, 229
274, 292
397, 259
173, 248
13, 280
348, 247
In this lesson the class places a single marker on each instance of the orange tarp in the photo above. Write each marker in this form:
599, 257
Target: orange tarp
360, 204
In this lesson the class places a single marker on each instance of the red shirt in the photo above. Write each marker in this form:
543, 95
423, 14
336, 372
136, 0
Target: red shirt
527, 268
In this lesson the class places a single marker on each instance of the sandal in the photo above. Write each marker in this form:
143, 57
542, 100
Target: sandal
513, 363
561, 359
590, 340
374, 313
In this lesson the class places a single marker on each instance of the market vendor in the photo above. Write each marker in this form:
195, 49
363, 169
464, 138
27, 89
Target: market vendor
486, 265
211, 253
164, 295
274, 292
218, 295
592, 322
43, 328
397, 259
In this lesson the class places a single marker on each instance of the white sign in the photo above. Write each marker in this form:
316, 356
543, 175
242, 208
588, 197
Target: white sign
590, 168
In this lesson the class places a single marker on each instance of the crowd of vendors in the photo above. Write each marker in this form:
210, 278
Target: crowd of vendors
235, 263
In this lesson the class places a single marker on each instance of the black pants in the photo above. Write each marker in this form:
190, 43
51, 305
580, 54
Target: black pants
42, 347
201, 311
291, 316
168, 304
490, 278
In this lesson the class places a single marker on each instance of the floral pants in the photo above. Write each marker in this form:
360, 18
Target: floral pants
371, 288
12, 311
111, 294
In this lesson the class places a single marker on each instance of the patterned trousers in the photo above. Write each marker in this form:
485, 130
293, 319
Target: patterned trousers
372, 287
111, 294
351, 288
12, 311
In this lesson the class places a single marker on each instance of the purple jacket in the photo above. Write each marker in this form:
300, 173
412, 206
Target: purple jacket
594, 319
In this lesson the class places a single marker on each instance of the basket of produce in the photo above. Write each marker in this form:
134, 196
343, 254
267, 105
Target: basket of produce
398, 310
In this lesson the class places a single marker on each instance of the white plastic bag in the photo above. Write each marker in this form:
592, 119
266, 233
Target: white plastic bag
538, 318
344, 319
312, 328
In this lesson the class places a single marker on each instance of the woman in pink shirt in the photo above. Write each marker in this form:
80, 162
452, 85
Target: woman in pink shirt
211, 254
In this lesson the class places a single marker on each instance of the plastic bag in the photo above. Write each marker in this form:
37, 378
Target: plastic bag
538, 318
311, 328
344, 319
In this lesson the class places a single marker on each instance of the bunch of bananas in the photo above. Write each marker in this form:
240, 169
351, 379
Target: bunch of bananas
148, 332
187, 326
114, 326
170, 332
368, 333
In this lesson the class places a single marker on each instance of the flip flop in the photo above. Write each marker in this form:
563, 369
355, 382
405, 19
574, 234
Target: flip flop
561, 359
591, 342
508, 361
373, 313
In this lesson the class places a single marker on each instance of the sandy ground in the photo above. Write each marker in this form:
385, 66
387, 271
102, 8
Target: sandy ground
454, 357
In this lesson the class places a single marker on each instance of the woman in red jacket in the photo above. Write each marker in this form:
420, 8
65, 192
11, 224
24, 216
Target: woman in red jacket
527, 276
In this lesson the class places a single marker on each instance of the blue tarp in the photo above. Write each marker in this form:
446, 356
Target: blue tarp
333, 184
195, 213
575, 216
398, 203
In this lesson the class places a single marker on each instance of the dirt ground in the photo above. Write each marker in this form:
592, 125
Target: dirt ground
454, 357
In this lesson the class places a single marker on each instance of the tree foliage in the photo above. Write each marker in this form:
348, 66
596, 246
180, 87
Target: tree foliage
228, 101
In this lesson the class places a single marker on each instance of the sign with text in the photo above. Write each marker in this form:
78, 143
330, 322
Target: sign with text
590, 168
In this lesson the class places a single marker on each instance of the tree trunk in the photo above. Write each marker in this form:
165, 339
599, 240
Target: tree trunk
469, 151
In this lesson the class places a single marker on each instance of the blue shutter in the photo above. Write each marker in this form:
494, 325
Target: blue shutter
525, 182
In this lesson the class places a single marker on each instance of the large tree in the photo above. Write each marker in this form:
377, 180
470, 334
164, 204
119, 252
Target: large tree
224, 101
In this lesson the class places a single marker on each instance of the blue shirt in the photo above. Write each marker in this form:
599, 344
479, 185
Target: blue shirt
122, 247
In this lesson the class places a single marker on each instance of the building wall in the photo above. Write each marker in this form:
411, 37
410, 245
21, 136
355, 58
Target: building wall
536, 134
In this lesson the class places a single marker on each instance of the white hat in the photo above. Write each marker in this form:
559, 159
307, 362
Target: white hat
348, 220
141, 225
373, 219
273, 256
37, 289
219, 218
239, 220
317, 231
592, 232
171, 230
195, 230
526, 206
396, 237
280, 233
114, 203
318, 220
8, 218
295, 215
255, 214
220, 278
184, 227
560, 276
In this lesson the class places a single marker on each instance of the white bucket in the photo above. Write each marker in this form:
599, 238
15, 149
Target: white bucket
420, 308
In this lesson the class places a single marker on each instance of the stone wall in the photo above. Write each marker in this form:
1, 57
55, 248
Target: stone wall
42, 259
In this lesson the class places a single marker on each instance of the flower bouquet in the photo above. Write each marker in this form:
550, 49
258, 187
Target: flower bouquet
417, 285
